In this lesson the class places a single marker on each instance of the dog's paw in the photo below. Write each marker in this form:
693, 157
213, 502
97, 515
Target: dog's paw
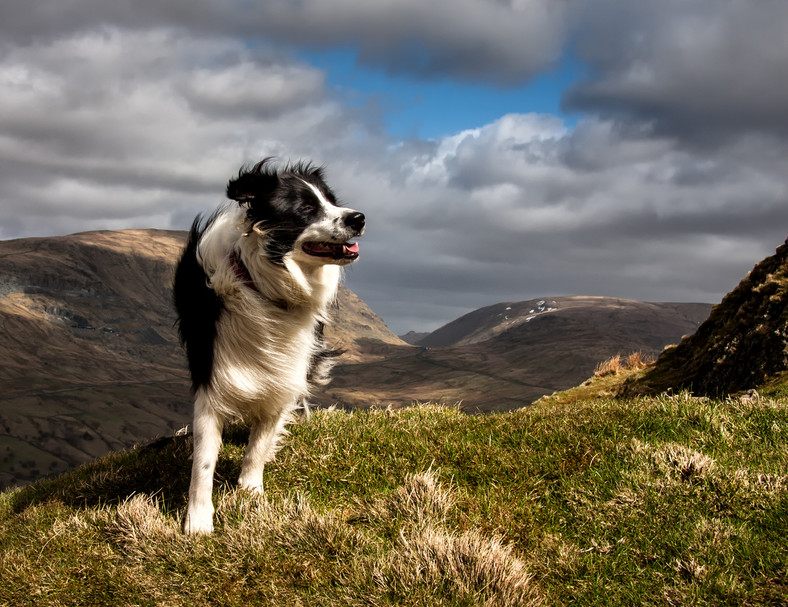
252, 486
253, 490
198, 523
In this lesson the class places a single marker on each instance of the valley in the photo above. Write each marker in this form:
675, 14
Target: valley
90, 360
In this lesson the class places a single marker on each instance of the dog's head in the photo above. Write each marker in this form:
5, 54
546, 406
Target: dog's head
296, 214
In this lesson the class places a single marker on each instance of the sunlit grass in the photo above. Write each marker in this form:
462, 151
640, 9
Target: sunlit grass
654, 501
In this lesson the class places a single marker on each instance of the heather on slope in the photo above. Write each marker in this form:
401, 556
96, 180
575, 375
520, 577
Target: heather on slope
742, 345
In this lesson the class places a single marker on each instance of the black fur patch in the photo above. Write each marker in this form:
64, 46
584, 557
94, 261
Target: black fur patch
322, 360
198, 308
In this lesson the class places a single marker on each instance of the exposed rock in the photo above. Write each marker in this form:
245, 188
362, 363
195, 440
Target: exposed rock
743, 342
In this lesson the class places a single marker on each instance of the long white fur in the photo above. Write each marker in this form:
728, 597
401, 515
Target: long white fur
261, 352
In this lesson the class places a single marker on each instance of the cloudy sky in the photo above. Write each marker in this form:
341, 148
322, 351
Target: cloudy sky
501, 149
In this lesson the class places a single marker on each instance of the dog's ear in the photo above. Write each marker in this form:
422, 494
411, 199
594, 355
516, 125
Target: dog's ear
253, 184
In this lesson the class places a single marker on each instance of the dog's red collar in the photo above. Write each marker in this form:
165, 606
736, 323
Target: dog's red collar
242, 273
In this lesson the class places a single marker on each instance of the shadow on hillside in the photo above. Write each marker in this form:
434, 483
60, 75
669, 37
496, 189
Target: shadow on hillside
161, 469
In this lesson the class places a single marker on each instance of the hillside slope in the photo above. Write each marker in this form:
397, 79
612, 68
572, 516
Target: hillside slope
742, 343
657, 501
89, 358
89, 355
508, 355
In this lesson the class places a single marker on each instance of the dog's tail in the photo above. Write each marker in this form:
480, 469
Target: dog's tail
198, 308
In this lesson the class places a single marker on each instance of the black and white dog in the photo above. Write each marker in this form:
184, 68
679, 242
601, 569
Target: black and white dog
252, 291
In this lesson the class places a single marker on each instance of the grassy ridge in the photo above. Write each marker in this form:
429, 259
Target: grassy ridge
652, 501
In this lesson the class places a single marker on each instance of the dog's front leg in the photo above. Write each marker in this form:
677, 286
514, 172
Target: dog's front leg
261, 449
207, 442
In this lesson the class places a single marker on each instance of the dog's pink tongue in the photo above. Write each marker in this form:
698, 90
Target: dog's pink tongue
351, 248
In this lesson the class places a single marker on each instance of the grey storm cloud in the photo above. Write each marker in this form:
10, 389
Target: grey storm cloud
670, 186
703, 69
479, 40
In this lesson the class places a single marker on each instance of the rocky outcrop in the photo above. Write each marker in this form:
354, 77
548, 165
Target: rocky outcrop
743, 342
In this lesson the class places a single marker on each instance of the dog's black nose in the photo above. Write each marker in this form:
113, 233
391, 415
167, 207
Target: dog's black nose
355, 221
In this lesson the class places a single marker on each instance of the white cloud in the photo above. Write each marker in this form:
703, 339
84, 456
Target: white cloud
95, 123
117, 116
504, 212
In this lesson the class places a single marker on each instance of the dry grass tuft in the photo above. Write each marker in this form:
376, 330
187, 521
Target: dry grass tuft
689, 569
679, 461
139, 518
429, 561
141, 531
608, 367
671, 463
476, 570
421, 501
636, 361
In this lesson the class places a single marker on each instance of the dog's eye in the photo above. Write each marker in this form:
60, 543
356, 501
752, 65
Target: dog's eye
308, 208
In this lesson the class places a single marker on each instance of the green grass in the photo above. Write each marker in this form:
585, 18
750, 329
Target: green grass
670, 500
776, 386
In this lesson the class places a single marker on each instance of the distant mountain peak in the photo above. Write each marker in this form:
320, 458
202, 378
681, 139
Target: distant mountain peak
413, 337
490, 321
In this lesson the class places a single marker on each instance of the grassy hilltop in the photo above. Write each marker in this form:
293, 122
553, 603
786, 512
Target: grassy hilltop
663, 500
598, 495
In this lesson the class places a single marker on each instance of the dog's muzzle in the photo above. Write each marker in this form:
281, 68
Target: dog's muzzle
356, 222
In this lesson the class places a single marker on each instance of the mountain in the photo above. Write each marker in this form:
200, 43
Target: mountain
742, 344
89, 355
507, 355
90, 361
362, 334
413, 337
661, 319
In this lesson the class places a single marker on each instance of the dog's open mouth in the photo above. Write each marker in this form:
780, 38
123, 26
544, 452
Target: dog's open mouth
334, 250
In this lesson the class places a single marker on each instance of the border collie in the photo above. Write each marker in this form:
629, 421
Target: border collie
252, 291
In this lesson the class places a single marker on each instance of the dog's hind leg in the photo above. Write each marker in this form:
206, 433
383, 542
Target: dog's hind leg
260, 450
207, 429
